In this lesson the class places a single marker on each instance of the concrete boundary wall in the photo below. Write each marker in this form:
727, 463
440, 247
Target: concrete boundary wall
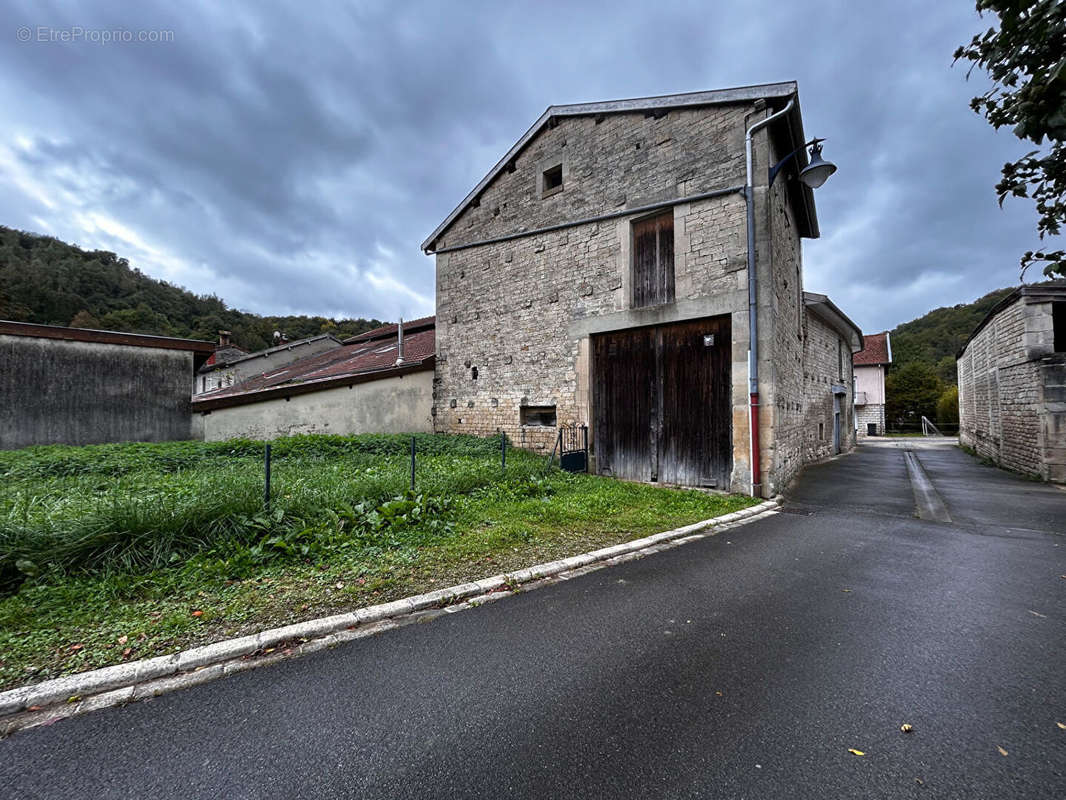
62, 391
400, 404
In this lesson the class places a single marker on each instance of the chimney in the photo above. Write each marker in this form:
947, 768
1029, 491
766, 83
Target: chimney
223, 338
399, 342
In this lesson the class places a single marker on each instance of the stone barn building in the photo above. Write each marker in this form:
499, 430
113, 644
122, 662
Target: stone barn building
871, 364
75, 386
599, 275
1012, 383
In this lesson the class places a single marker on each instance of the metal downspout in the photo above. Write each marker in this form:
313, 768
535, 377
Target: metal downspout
753, 311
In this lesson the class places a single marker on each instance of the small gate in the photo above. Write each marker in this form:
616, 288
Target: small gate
573, 446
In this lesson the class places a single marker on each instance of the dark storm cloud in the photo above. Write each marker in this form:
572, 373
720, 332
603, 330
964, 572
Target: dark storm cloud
291, 158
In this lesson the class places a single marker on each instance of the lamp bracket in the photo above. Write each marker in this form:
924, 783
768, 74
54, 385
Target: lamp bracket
776, 168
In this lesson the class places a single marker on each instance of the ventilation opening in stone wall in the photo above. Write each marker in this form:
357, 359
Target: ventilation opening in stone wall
552, 180
538, 416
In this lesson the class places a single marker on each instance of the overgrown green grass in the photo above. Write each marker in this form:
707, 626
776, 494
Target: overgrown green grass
117, 552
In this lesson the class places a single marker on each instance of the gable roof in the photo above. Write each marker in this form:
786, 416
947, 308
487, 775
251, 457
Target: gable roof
743, 94
389, 330
877, 349
349, 363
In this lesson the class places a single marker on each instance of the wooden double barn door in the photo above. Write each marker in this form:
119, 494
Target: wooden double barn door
662, 403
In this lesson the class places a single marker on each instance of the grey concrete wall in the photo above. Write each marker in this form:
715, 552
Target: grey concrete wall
390, 405
54, 391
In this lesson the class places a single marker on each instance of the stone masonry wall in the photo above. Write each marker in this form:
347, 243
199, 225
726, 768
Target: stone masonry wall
782, 419
521, 343
1008, 384
609, 163
871, 413
824, 351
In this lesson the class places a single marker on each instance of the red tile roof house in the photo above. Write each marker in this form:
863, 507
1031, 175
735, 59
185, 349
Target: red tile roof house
870, 365
367, 384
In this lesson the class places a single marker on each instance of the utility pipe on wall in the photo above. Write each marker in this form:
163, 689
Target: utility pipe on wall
753, 311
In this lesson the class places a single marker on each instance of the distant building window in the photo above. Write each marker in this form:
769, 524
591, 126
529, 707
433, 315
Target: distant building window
1058, 321
539, 416
551, 181
821, 431
653, 260
871, 429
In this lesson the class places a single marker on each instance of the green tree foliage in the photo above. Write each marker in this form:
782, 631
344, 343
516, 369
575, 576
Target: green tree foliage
912, 392
1026, 60
947, 407
47, 281
934, 338
83, 319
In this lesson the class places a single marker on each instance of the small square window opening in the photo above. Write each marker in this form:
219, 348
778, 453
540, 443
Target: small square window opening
538, 416
552, 180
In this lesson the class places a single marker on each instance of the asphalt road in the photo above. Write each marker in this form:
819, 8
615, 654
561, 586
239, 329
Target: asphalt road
743, 666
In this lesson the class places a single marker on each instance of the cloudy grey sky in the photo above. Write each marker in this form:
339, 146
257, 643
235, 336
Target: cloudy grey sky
290, 157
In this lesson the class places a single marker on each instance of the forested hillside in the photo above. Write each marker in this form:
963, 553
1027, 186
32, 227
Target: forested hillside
921, 380
47, 281
934, 338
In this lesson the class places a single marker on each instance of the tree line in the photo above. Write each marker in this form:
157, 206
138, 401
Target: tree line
46, 281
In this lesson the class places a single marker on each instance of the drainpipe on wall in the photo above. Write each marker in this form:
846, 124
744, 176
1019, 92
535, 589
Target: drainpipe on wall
753, 311
399, 342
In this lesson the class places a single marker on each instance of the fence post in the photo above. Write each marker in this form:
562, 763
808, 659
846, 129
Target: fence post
266, 469
412, 464
503, 452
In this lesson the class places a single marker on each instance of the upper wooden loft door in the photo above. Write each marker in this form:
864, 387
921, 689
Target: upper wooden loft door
653, 260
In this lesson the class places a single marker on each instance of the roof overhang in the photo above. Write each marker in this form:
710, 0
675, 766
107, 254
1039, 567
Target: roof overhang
824, 308
774, 94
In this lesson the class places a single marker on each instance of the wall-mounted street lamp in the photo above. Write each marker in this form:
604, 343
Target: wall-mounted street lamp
813, 175
817, 170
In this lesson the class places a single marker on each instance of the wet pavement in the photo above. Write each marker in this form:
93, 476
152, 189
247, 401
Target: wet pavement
744, 665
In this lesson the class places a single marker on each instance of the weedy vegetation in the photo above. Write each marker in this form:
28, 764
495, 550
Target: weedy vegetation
124, 551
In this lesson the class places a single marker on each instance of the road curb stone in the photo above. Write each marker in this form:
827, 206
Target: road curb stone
71, 695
